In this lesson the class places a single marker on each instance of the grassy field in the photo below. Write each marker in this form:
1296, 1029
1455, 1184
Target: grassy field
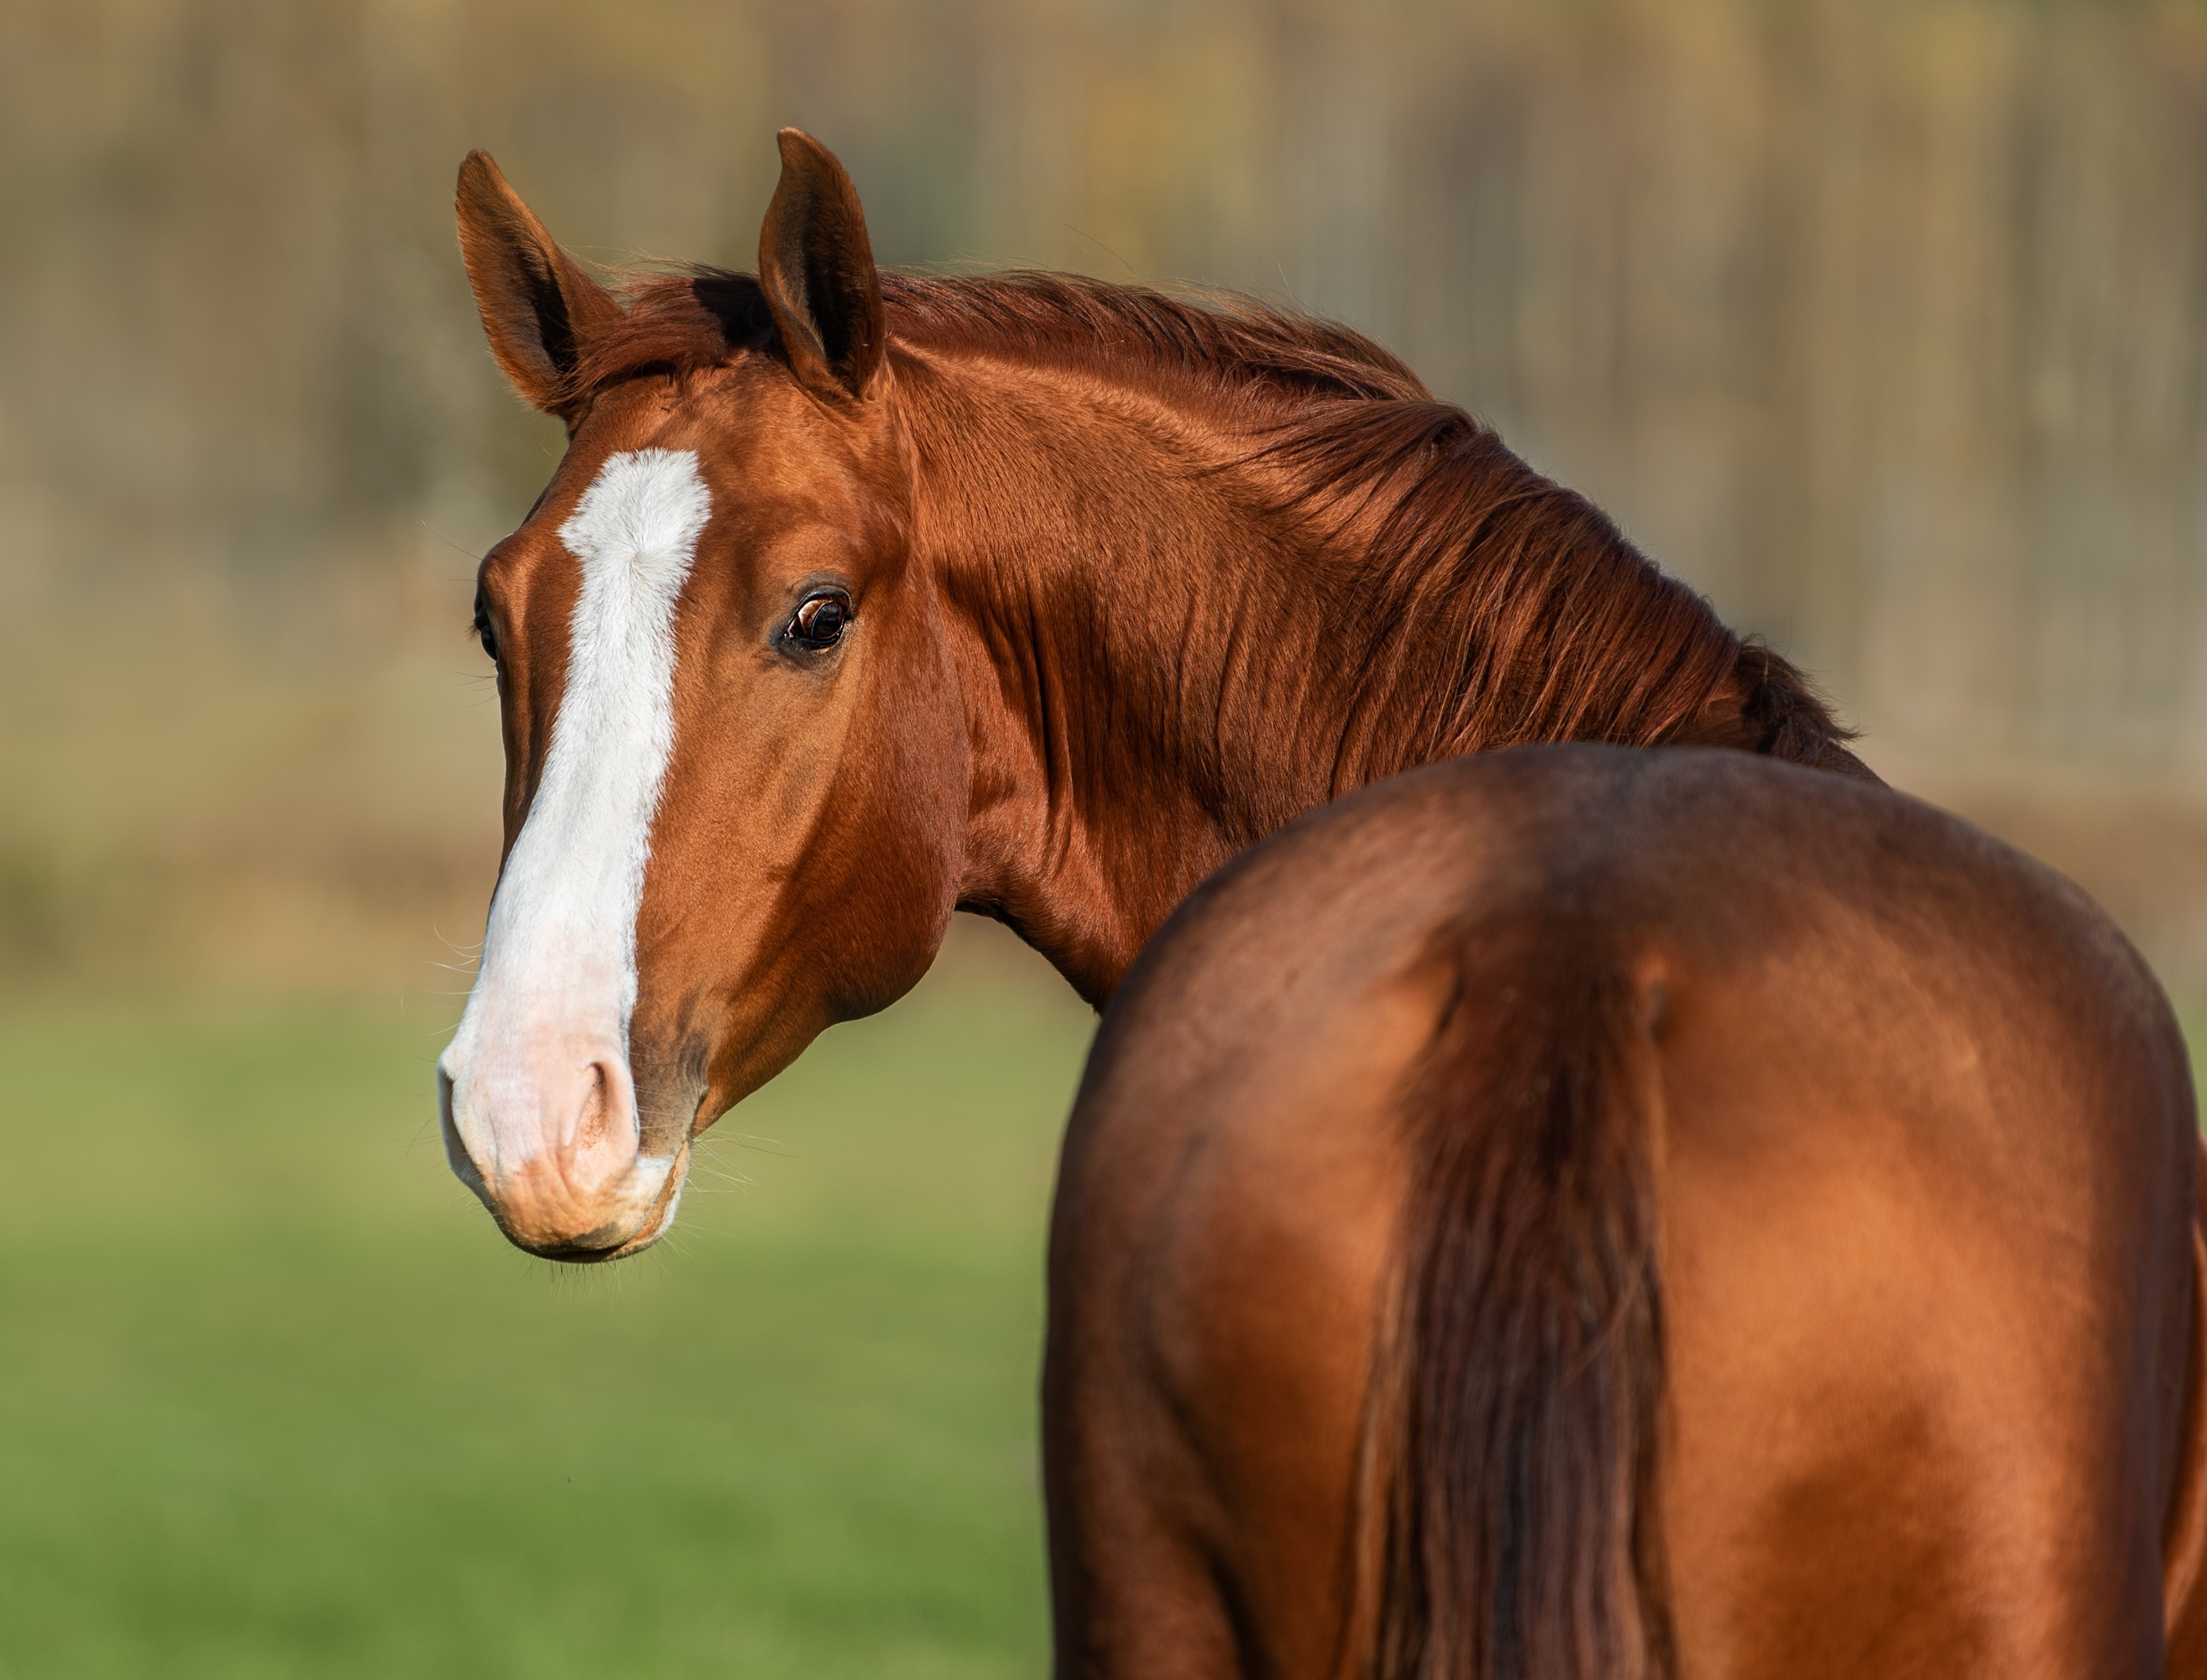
276, 1400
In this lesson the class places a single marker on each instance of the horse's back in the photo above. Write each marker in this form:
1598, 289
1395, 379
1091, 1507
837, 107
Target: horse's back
1923, 1157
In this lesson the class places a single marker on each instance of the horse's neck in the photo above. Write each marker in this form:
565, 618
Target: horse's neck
1096, 586
1160, 666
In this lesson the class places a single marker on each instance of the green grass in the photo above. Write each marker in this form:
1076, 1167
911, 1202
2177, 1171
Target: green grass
276, 1400
2191, 1012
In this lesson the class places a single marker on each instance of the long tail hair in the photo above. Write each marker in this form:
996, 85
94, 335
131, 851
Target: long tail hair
1516, 1406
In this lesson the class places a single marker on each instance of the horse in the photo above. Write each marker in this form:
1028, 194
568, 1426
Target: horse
1576, 1212
858, 599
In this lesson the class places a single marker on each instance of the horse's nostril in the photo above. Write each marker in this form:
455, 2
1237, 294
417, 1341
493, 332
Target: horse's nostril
597, 1109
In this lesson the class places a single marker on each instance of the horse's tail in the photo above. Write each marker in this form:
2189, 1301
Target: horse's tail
1512, 1433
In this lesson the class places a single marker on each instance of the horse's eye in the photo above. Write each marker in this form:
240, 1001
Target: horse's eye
820, 621
486, 635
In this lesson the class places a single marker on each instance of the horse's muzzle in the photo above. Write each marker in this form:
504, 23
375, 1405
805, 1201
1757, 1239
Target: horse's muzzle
558, 1163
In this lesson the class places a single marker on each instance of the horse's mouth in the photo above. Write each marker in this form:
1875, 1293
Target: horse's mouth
589, 1252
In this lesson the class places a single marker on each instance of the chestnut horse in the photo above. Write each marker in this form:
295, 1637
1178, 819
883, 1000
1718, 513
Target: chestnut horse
1576, 1213
858, 599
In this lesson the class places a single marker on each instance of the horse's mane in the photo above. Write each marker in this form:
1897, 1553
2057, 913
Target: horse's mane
1476, 580
697, 318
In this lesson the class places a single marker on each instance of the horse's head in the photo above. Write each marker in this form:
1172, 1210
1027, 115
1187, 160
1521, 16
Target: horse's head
735, 763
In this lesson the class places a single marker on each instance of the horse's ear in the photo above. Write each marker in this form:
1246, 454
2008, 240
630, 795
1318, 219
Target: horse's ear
816, 267
538, 306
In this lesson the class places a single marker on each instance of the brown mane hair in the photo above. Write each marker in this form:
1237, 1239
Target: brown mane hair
698, 317
1478, 604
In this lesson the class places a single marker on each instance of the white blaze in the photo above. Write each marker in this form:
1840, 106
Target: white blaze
557, 985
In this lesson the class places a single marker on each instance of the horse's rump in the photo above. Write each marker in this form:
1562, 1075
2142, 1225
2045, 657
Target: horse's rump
1689, 1109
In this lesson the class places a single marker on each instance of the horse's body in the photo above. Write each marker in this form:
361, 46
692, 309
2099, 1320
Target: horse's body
853, 602
1575, 1212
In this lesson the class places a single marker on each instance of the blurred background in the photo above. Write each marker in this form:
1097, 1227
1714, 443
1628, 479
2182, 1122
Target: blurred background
1883, 322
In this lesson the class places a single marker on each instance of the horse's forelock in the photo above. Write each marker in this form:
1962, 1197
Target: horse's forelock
680, 323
